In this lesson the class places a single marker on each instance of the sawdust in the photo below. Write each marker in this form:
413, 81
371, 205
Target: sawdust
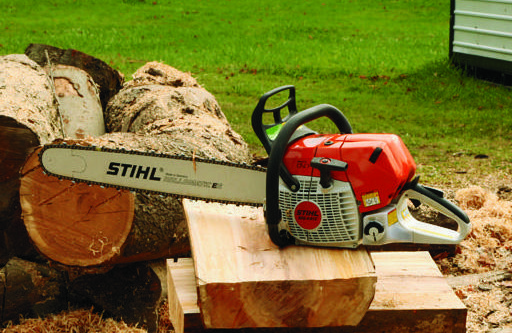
488, 248
487, 204
489, 245
489, 306
72, 321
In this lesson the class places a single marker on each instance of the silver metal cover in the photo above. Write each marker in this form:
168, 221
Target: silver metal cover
340, 217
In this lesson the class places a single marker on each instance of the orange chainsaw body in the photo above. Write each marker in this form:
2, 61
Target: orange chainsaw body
379, 165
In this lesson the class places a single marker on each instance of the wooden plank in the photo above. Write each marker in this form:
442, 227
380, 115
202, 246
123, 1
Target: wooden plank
182, 295
244, 280
411, 296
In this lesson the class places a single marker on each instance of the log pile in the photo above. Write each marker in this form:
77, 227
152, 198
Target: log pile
86, 233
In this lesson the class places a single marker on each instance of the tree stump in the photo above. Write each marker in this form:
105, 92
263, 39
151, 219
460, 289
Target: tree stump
80, 225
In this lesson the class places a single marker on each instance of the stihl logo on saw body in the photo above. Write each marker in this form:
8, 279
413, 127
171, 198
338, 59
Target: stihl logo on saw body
132, 171
308, 215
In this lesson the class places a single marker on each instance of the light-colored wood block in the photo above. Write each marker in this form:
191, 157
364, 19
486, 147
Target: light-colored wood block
244, 280
182, 295
411, 296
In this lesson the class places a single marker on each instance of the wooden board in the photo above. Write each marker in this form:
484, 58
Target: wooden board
244, 280
411, 296
182, 295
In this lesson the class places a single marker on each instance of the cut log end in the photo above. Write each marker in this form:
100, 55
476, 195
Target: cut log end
90, 226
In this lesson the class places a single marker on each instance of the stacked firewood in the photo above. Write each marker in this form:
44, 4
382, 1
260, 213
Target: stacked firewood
75, 240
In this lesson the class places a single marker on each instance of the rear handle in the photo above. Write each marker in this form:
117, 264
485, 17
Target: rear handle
427, 233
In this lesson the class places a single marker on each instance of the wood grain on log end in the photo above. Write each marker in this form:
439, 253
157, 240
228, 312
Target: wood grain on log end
89, 227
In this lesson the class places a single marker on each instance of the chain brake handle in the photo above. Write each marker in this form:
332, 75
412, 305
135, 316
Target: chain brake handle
267, 133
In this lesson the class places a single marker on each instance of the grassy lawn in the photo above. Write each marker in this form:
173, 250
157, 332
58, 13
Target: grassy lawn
383, 63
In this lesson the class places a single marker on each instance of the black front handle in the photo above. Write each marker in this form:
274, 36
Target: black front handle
277, 169
268, 132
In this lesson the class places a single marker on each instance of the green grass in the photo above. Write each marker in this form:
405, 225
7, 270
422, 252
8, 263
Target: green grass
383, 63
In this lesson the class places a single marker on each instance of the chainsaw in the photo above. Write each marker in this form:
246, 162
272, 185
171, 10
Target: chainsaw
335, 190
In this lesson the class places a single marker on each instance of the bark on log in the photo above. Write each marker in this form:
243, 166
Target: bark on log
164, 101
28, 112
108, 79
15, 242
28, 117
30, 289
162, 74
131, 293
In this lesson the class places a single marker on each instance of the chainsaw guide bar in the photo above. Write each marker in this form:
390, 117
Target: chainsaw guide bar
157, 173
